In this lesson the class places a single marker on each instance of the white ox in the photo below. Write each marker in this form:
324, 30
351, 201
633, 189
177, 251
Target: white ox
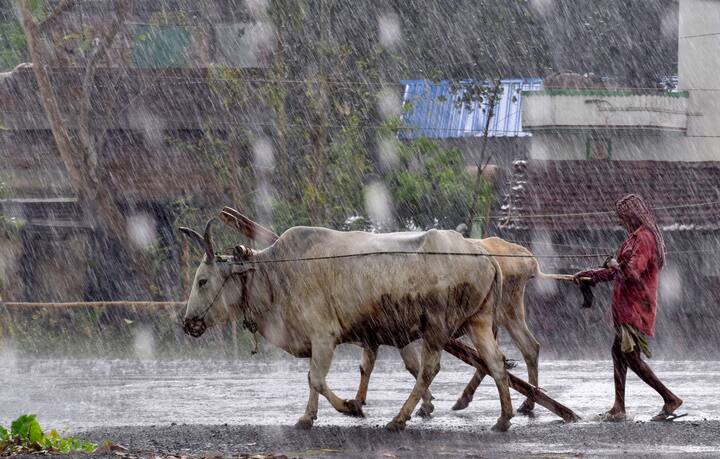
303, 296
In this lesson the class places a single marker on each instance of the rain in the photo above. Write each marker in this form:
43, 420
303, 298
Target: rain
454, 225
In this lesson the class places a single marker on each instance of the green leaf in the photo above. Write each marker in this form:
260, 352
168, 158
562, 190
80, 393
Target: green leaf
4, 434
72, 36
27, 428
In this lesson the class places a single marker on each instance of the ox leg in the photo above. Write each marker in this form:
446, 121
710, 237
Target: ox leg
530, 349
367, 363
307, 420
481, 332
430, 365
322, 355
412, 364
469, 392
464, 400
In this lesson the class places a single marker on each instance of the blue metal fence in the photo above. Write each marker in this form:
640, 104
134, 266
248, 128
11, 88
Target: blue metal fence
431, 110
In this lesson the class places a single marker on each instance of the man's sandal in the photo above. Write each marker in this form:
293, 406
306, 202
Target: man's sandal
665, 416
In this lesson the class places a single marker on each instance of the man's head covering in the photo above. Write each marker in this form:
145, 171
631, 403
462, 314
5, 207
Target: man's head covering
633, 206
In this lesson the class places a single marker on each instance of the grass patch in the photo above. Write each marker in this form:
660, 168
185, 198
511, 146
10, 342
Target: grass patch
25, 436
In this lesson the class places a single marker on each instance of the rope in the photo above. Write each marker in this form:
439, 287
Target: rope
212, 302
554, 244
460, 254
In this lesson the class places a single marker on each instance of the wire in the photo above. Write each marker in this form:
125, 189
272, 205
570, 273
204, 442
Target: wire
210, 79
711, 34
285, 81
399, 129
603, 212
192, 79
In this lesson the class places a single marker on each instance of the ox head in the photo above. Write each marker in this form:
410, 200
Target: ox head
218, 287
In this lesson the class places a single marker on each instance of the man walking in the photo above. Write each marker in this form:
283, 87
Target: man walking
635, 275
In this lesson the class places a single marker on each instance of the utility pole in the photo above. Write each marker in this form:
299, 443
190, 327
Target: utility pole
482, 163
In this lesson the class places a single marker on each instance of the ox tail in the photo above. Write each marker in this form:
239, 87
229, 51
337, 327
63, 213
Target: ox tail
549, 276
497, 291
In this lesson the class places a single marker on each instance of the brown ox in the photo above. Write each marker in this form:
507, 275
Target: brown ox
310, 291
518, 267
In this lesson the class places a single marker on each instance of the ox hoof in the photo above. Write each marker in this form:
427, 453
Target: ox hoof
354, 408
527, 408
502, 425
396, 425
425, 410
461, 404
304, 423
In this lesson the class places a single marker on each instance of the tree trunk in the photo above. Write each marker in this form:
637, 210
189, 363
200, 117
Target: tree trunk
78, 152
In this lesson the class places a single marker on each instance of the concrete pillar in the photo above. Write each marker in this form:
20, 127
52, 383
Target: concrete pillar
699, 74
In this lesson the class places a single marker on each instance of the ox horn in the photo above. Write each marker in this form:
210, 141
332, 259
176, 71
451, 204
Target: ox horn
193, 236
208, 243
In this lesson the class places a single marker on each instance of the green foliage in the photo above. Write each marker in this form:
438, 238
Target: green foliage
326, 135
333, 190
27, 437
26, 428
431, 187
13, 48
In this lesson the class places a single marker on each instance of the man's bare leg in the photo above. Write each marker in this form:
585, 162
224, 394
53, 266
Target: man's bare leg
642, 369
620, 374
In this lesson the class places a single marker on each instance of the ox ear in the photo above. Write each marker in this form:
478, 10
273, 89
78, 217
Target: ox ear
193, 235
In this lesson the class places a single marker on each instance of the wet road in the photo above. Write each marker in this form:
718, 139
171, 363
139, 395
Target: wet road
85, 394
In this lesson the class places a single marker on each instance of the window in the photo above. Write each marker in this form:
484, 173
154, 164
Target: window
158, 47
598, 148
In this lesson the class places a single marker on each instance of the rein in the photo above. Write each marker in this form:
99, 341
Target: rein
212, 302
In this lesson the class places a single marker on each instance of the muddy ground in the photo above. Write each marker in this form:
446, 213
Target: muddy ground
260, 399
583, 439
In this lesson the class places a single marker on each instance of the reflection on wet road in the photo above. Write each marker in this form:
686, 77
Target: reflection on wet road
88, 393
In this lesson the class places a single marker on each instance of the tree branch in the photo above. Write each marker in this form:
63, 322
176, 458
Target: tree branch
47, 97
100, 49
57, 12
95, 195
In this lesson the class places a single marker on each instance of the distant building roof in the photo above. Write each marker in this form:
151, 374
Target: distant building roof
581, 195
45, 212
433, 111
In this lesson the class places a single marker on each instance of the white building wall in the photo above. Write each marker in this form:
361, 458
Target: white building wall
635, 146
699, 75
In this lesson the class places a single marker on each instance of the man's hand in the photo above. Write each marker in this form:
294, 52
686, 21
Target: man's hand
613, 264
582, 277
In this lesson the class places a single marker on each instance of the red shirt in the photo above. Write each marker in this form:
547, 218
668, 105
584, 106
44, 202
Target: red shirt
634, 296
